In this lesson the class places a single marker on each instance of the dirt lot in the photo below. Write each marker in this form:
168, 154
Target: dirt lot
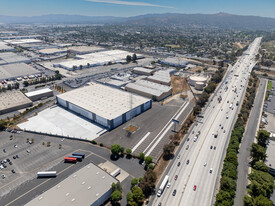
179, 84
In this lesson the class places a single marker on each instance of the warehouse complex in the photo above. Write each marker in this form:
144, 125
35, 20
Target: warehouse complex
39, 94
9, 58
12, 101
88, 186
23, 41
5, 48
174, 61
52, 51
107, 106
149, 89
12, 71
143, 71
95, 59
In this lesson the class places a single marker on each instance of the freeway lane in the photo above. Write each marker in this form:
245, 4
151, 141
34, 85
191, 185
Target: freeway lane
218, 119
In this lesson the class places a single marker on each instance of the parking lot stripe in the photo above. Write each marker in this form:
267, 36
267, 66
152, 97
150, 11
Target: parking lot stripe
139, 143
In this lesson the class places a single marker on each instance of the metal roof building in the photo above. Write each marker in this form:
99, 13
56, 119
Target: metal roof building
149, 89
12, 71
23, 41
13, 100
4, 47
107, 106
10, 57
38, 94
51, 51
174, 61
143, 71
88, 186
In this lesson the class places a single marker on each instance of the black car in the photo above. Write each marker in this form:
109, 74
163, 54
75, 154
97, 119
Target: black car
178, 164
14, 157
8, 160
187, 162
10, 163
13, 171
174, 192
211, 147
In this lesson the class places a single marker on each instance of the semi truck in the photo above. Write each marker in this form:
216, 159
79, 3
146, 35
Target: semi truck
70, 159
46, 174
79, 154
163, 185
78, 158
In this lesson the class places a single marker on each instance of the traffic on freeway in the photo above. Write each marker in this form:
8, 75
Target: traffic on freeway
195, 171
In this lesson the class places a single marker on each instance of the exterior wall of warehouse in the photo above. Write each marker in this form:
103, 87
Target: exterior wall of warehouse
40, 96
103, 198
110, 124
11, 109
159, 81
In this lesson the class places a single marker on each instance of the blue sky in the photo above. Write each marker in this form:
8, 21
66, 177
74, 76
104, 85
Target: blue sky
264, 8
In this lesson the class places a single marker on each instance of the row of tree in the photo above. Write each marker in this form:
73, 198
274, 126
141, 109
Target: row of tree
262, 183
229, 173
10, 87
57, 76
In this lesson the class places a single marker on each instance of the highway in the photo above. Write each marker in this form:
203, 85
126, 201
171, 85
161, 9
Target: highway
199, 162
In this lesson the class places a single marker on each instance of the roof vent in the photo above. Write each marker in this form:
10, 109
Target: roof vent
97, 194
73, 199
89, 187
83, 183
40, 198
67, 194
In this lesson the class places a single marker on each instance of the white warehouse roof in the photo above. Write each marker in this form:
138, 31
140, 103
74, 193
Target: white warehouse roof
37, 92
102, 100
84, 187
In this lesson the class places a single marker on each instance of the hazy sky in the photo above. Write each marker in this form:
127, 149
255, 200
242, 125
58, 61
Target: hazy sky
135, 7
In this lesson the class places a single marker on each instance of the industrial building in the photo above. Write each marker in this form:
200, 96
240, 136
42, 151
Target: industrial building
149, 89
23, 41
13, 71
143, 71
10, 57
193, 80
174, 61
39, 94
52, 51
95, 59
162, 77
88, 186
5, 48
12, 101
104, 105
80, 50
113, 82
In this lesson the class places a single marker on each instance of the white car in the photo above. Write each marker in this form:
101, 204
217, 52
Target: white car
205, 164
3, 176
211, 170
169, 184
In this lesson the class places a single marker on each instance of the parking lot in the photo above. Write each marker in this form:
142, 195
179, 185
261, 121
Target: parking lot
20, 187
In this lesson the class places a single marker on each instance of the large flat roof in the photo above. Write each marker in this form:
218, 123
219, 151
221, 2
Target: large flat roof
85, 48
16, 70
37, 92
103, 100
10, 57
84, 187
23, 41
52, 51
4, 46
14, 98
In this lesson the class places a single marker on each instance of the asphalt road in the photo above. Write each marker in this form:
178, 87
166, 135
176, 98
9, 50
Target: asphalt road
200, 163
248, 138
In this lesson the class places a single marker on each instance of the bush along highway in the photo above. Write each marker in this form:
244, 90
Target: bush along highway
261, 182
229, 172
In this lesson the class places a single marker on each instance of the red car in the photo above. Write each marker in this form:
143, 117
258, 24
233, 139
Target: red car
195, 187
176, 177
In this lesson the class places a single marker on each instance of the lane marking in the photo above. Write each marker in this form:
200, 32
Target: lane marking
139, 143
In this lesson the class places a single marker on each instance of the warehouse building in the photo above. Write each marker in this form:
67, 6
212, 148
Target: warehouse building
80, 50
162, 77
104, 105
143, 71
23, 41
13, 71
88, 186
10, 58
113, 82
52, 51
95, 59
174, 61
12, 101
5, 48
149, 89
39, 94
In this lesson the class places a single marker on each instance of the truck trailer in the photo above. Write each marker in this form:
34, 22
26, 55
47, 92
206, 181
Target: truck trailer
163, 185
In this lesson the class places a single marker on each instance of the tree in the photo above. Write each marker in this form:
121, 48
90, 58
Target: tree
168, 150
151, 166
129, 151
138, 195
262, 137
228, 184
147, 184
116, 196
128, 58
261, 166
134, 182
122, 150
134, 57
115, 149
148, 160
141, 156
257, 152
26, 83
257, 201
130, 199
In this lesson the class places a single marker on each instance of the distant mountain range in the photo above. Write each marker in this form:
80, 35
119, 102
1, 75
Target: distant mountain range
219, 20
